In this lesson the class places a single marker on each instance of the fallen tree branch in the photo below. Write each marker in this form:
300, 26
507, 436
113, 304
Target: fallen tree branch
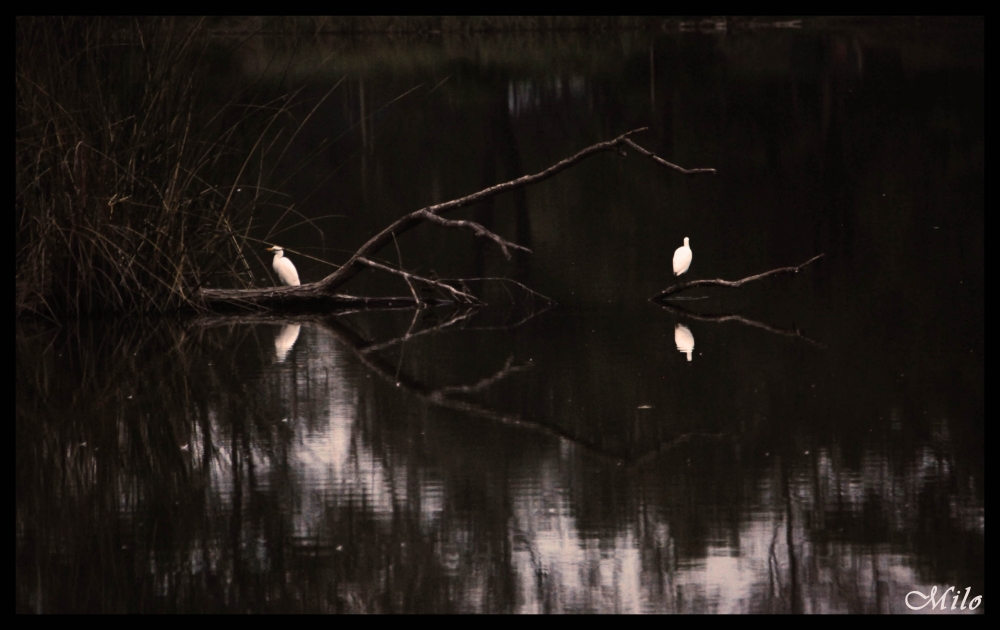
549, 302
413, 291
375, 243
677, 288
662, 162
474, 227
459, 296
321, 294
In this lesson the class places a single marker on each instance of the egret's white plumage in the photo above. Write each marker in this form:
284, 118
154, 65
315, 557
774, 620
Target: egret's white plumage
682, 258
284, 267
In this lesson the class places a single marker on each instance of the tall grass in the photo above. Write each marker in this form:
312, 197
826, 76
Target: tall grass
129, 156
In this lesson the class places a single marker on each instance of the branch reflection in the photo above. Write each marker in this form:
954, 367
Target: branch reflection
786, 332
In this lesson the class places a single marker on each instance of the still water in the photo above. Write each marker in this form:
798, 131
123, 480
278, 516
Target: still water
806, 443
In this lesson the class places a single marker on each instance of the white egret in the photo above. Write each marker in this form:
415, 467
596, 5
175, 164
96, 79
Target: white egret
284, 267
684, 339
682, 258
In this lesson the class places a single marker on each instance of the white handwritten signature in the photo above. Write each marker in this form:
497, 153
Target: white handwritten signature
940, 603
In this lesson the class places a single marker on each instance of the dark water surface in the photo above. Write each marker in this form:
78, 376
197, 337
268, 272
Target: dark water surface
821, 452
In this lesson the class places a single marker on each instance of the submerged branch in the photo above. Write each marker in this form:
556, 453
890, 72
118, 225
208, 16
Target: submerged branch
454, 397
718, 319
443, 396
460, 315
677, 288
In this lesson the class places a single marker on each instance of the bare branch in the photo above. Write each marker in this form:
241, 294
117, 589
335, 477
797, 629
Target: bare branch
375, 243
549, 302
298, 299
662, 162
399, 255
503, 281
677, 288
461, 296
473, 227
321, 294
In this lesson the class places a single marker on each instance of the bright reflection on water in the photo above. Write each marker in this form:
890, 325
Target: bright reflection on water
284, 341
824, 454
337, 478
684, 340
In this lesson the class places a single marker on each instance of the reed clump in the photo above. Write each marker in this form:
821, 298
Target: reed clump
135, 177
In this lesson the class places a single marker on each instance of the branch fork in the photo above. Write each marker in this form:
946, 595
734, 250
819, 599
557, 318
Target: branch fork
322, 293
683, 286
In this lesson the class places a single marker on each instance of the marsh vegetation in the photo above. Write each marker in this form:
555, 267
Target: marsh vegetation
807, 442
139, 165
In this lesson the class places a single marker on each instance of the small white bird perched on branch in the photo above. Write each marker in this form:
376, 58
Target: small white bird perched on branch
284, 267
682, 258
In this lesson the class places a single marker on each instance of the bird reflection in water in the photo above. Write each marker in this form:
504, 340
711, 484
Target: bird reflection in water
684, 339
285, 340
